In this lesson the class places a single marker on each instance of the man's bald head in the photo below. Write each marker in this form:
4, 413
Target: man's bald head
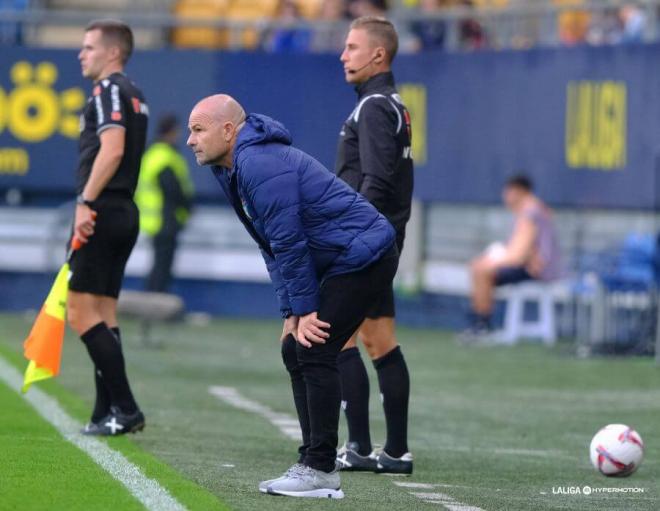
214, 125
222, 108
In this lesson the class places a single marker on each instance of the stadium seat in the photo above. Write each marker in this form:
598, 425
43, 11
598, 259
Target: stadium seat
201, 37
309, 9
516, 327
250, 10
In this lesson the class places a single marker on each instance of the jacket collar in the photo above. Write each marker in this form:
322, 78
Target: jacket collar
375, 84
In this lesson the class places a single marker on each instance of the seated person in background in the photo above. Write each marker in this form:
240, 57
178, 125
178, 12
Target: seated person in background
532, 252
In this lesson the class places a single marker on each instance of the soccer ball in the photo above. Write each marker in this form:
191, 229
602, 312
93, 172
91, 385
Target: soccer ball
616, 450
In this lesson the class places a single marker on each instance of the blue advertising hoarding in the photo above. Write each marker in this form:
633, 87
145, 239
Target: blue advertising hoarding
583, 122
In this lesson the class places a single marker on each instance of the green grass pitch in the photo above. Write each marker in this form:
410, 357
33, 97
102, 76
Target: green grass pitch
491, 428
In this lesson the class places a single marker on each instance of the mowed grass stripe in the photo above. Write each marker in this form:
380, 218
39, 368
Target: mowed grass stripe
40, 470
190, 495
153, 496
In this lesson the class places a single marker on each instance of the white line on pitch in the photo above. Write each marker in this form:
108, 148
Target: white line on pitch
150, 494
430, 486
445, 500
286, 423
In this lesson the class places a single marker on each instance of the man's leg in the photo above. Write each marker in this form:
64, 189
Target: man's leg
344, 303
393, 379
290, 359
164, 246
102, 403
84, 312
483, 274
355, 397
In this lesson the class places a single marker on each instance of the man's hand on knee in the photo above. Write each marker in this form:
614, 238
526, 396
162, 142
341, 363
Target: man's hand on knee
290, 327
311, 328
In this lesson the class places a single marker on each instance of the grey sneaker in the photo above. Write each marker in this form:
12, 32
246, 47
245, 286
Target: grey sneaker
308, 482
350, 461
263, 485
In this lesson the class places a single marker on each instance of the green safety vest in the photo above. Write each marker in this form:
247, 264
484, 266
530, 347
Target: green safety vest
149, 196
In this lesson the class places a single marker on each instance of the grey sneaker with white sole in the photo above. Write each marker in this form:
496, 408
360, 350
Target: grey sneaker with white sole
263, 485
308, 482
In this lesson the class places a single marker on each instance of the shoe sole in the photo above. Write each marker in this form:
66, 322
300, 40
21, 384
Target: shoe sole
394, 472
345, 466
323, 493
137, 427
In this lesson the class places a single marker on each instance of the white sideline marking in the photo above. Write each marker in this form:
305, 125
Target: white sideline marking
150, 494
286, 423
430, 486
423, 486
542, 453
445, 500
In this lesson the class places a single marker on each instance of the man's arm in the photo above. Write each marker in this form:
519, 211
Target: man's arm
275, 195
105, 166
172, 190
106, 162
521, 245
378, 125
279, 284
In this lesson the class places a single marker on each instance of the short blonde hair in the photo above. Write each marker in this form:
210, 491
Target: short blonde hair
382, 31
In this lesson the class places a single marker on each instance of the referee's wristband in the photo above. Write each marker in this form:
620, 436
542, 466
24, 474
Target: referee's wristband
82, 201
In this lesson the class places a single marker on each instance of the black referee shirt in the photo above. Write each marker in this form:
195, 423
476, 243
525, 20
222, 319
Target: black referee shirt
115, 101
374, 154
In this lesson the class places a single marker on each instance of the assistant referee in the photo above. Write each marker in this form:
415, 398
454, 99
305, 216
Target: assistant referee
374, 157
112, 140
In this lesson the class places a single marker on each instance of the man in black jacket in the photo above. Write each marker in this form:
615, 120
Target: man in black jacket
374, 158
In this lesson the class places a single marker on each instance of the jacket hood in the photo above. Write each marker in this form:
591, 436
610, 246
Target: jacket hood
261, 129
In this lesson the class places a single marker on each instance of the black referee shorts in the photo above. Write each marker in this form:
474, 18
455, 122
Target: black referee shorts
98, 266
383, 304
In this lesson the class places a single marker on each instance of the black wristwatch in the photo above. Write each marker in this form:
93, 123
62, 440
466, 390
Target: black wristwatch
81, 200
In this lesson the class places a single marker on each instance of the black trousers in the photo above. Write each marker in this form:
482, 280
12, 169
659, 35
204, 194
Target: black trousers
164, 248
344, 303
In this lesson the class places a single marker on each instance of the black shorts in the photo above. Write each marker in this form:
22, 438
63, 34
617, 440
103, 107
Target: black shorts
383, 304
512, 275
98, 266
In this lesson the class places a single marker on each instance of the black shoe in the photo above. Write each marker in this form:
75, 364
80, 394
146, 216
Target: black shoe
385, 464
91, 428
116, 423
349, 460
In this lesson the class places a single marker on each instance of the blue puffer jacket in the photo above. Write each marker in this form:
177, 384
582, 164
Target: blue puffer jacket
309, 224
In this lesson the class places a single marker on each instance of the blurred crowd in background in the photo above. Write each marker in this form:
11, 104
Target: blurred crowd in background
303, 26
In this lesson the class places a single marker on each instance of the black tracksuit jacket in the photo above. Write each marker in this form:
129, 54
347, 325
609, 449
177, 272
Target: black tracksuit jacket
374, 154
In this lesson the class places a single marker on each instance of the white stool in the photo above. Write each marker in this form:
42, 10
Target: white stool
515, 326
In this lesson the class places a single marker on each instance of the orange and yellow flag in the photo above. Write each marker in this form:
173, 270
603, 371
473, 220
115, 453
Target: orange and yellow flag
43, 347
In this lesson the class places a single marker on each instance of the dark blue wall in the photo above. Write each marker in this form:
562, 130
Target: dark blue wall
486, 115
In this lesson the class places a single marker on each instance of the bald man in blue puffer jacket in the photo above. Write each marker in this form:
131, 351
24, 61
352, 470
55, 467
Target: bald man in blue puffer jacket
328, 252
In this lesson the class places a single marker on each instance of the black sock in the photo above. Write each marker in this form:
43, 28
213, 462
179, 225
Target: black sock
290, 359
394, 383
480, 321
355, 398
105, 352
102, 402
